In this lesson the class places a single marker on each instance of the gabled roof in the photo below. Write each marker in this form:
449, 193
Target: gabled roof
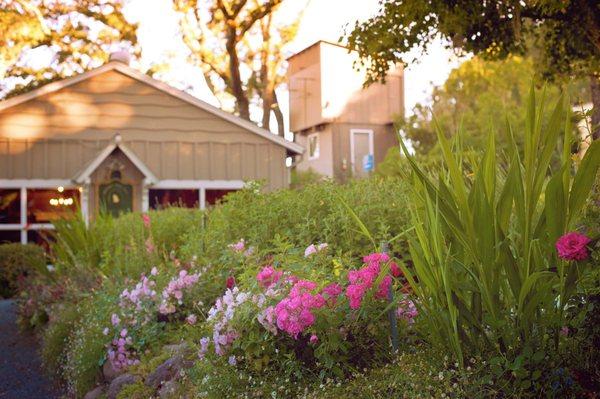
181, 95
86, 173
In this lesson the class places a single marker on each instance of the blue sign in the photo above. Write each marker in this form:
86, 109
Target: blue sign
368, 162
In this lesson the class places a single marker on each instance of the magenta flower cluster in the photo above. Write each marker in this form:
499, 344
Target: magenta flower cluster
268, 276
173, 292
573, 246
294, 312
363, 279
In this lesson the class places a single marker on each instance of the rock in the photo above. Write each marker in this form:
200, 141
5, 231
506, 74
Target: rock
119, 383
95, 393
109, 372
168, 390
167, 371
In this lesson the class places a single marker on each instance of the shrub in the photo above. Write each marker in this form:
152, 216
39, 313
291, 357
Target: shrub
17, 261
486, 268
313, 214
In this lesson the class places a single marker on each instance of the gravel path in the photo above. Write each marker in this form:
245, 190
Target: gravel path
20, 373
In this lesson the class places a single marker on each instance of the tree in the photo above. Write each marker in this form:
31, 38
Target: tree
566, 31
80, 35
238, 45
474, 95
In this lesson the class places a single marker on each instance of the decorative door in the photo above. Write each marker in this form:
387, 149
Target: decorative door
116, 198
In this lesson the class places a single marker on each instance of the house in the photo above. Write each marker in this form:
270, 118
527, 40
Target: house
342, 125
118, 140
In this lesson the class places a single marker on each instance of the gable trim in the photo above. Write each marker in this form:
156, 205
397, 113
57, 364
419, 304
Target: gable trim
161, 86
83, 176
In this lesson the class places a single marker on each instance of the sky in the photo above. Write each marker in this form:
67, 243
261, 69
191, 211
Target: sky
322, 20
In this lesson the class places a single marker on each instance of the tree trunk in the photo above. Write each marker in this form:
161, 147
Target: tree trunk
237, 89
267, 104
278, 116
595, 91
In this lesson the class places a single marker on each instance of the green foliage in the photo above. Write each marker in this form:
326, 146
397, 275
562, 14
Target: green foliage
472, 97
311, 215
16, 262
301, 179
62, 28
485, 266
564, 31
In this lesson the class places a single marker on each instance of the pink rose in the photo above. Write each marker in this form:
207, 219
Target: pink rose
314, 339
573, 246
146, 220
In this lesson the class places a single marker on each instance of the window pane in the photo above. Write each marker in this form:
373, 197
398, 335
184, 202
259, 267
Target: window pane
313, 146
10, 236
10, 206
44, 206
160, 199
214, 196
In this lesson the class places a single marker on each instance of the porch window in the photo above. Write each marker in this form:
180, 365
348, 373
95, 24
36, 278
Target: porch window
10, 206
8, 236
215, 196
47, 205
164, 198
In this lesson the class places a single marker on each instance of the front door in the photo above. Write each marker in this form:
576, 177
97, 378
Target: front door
116, 198
361, 146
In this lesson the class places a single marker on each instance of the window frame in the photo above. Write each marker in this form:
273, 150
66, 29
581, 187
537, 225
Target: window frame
317, 147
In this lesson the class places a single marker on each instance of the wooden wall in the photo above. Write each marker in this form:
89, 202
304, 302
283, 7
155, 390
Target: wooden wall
55, 135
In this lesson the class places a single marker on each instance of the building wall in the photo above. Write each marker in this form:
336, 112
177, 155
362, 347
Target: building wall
325, 87
323, 164
55, 135
304, 82
384, 138
130, 175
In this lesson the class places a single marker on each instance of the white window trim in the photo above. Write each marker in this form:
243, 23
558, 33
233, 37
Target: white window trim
318, 148
201, 185
371, 144
23, 185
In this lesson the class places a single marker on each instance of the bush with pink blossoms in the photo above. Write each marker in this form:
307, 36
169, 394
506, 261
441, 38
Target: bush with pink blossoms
172, 295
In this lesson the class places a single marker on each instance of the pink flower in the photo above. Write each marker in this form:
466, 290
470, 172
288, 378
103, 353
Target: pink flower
268, 276
313, 249
384, 286
573, 246
146, 220
239, 246
314, 339
230, 282
407, 311
154, 271
191, 319
294, 311
564, 331
149, 245
332, 291
395, 270
114, 319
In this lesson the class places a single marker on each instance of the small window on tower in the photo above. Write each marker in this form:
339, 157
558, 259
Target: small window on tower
313, 146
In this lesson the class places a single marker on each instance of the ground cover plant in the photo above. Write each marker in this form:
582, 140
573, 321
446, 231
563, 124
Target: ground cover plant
476, 278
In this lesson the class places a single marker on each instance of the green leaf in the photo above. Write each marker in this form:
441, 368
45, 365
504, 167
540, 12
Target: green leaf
584, 180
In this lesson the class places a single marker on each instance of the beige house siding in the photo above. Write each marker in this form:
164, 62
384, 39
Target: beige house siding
322, 164
57, 134
384, 137
327, 94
